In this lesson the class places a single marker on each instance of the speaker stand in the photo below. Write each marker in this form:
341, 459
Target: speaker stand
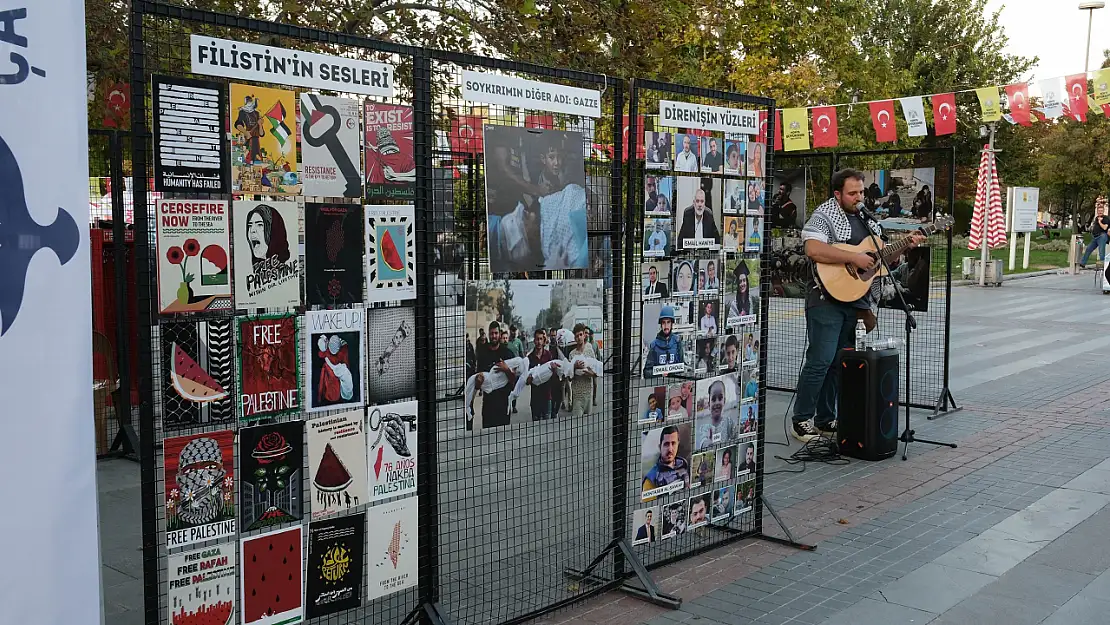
907, 436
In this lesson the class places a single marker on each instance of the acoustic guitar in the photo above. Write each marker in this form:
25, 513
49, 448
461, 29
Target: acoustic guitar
848, 283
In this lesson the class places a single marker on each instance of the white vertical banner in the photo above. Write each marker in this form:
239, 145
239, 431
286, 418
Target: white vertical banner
1051, 91
46, 319
913, 109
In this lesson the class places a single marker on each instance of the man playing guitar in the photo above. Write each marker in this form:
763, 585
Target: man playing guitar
830, 324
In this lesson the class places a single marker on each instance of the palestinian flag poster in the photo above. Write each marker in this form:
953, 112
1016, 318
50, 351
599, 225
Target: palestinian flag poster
194, 255
269, 366
198, 379
263, 145
390, 166
333, 579
330, 154
391, 432
271, 467
390, 253
334, 269
272, 585
202, 586
392, 547
337, 462
267, 263
199, 476
335, 357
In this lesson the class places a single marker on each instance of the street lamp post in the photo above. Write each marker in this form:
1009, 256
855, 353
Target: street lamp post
1089, 7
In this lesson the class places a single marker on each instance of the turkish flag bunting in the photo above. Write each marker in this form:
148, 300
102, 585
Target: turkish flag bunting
641, 150
825, 131
761, 135
1018, 97
466, 135
944, 114
546, 122
1077, 96
882, 118
778, 130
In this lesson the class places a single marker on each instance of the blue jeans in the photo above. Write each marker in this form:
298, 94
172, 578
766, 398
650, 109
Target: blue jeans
829, 327
1100, 243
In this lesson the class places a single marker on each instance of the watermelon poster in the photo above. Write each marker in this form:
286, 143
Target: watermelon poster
392, 547
333, 578
202, 586
390, 166
390, 354
391, 432
333, 237
271, 467
390, 253
330, 157
272, 588
198, 381
267, 266
263, 147
269, 366
194, 255
199, 475
334, 354
336, 462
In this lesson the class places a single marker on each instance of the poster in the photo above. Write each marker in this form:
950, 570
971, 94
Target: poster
735, 154
733, 240
911, 194
392, 547
659, 195
725, 464
652, 404
269, 366
755, 193
666, 328
201, 585
747, 459
674, 519
911, 269
699, 510
687, 152
658, 150
712, 154
680, 400
699, 213
271, 471
333, 575
753, 230
198, 379
267, 266
333, 255
334, 359
745, 496
263, 145
789, 270
788, 204
190, 151
199, 480
749, 419
658, 237
194, 255
706, 354
749, 381
330, 147
535, 199
272, 586
645, 525
702, 467
718, 415
722, 504
730, 352
735, 197
390, 162
336, 462
756, 159
664, 460
741, 296
390, 354
390, 253
684, 282
392, 437
655, 278
709, 276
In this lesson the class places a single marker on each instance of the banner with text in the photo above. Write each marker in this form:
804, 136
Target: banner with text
532, 95
705, 117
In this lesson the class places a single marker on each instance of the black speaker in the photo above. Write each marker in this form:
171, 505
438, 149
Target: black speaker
867, 412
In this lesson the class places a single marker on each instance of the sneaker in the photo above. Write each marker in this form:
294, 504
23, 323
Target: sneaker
828, 429
803, 431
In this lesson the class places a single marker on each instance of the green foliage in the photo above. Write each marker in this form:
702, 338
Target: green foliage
962, 211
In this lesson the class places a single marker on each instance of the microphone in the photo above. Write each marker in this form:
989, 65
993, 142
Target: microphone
866, 213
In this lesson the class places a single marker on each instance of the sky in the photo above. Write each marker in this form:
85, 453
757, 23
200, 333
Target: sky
1055, 31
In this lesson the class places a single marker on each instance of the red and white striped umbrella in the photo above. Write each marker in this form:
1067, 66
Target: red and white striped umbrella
988, 206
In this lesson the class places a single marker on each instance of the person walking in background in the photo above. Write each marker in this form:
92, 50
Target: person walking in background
1100, 232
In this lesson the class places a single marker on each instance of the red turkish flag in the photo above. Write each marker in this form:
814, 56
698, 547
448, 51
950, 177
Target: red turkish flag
641, 150
117, 104
825, 131
1077, 96
944, 114
1018, 96
778, 130
466, 135
761, 135
546, 122
882, 118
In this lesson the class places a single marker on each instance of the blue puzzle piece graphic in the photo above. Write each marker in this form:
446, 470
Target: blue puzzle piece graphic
21, 237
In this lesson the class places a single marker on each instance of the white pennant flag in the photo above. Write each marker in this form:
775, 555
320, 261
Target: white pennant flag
913, 109
1051, 90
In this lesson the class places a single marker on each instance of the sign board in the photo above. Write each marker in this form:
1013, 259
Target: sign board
530, 94
704, 117
1023, 209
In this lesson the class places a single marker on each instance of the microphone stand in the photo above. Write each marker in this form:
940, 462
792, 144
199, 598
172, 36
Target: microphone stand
907, 436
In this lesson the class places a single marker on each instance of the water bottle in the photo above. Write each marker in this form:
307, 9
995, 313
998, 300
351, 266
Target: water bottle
861, 335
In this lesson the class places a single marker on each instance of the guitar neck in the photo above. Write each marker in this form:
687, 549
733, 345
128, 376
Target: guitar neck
893, 250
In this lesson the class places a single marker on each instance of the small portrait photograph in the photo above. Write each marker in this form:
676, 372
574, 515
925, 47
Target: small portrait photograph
652, 404
741, 296
755, 160
735, 153
749, 384
716, 412
712, 154
706, 354
730, 352
680, 400
687, 338
735, 196
747, 459
658, 194
753, 228
751, 350
754, 205
708, 318
657, 150
645, 523
654, 279
734, 233
704, 464
745, 496
709, 276
674, 519
665, 460
787, 208
725, 465
699, 510
749, 418
699, 212
657, 237
684, 282
660, 320
722, 504
687, 151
